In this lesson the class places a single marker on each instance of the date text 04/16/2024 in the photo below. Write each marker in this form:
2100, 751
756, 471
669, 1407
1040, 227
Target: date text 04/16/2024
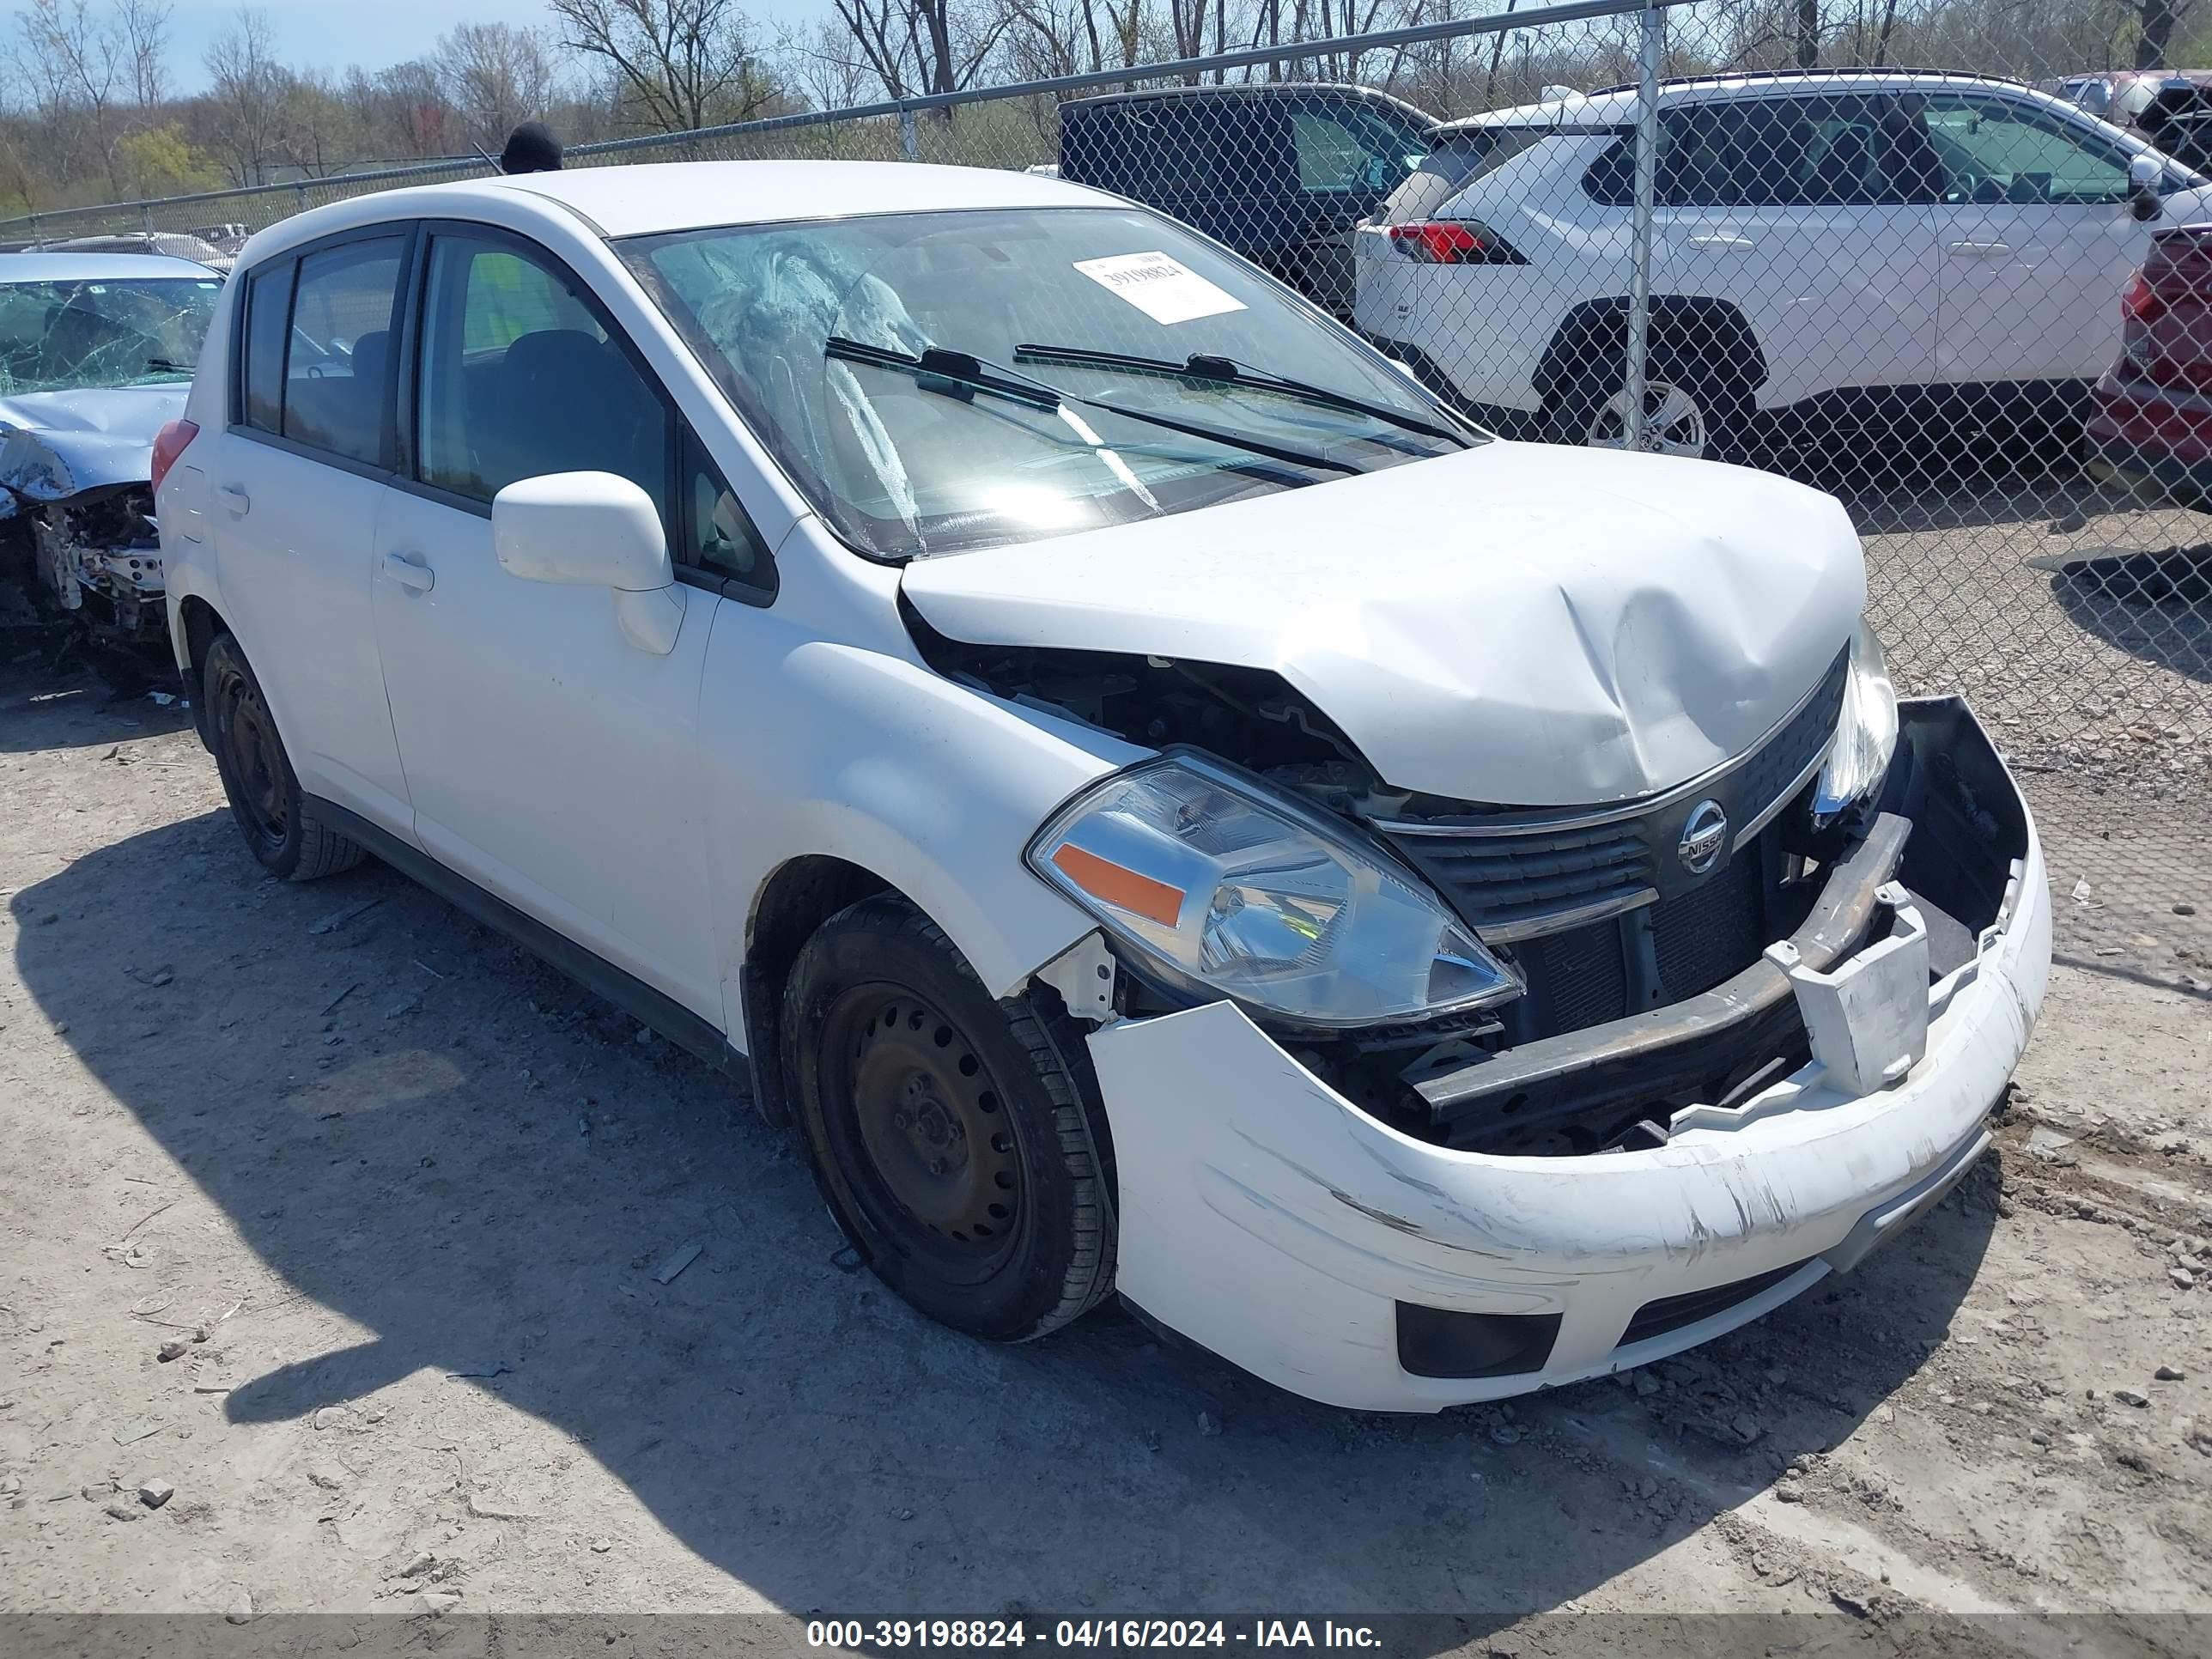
896, 1635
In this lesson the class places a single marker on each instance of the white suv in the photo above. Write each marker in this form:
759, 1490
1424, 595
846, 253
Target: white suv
1424, 916
1839, 244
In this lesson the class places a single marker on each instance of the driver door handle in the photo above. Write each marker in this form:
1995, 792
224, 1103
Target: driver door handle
409, 571
1978, 250
1724, 239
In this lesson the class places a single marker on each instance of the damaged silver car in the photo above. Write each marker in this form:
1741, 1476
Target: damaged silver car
96, 355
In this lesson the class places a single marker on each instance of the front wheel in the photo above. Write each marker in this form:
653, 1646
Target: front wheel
946, 1128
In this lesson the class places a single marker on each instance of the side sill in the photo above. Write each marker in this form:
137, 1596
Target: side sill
587, 967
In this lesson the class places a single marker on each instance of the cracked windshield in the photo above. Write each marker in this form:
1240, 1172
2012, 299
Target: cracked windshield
942, 381
65, 336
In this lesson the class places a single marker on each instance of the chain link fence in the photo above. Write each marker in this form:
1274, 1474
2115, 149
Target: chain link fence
1600, 224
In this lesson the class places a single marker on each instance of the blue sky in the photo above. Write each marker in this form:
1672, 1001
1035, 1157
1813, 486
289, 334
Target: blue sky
331, 34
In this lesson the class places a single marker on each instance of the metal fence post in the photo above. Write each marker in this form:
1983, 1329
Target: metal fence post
1651, 44
910, 136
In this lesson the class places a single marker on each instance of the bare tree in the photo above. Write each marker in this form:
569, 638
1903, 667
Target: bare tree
246, 94
495, 77
2155, 23
918, 46
824, 66
1049, 38
76, 62
144, 26
683, 63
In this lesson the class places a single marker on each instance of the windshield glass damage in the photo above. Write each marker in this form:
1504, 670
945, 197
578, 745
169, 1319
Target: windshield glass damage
69, 335
888, 363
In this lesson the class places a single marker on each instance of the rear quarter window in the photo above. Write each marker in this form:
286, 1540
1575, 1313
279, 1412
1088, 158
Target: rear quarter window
1458, 160
268, 309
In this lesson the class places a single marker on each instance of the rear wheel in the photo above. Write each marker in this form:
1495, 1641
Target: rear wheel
1691, 407
264, 793
947, 1130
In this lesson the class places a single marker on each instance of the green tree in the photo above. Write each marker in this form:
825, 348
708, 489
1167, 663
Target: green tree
162, 161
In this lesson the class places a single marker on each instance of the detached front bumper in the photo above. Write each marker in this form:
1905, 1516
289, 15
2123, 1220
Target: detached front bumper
1268, 1218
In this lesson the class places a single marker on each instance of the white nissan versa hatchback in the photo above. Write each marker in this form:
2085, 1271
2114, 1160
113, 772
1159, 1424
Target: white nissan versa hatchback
1160, 806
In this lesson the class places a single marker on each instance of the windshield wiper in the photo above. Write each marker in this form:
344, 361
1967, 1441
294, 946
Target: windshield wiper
1207, 365
168, 365
956, 368
953, 371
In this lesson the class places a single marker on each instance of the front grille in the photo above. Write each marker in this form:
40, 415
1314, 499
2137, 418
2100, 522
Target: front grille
1500, 882
1784, 756
1516, 873
1604, 971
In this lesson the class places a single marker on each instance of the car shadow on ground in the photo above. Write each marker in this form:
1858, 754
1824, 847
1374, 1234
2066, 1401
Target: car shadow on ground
427, 1133
2156, 605
41, 708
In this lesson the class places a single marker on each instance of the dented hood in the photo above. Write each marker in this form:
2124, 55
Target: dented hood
54, 445
1522, 623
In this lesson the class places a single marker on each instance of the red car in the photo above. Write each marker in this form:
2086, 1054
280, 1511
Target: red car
2150, 418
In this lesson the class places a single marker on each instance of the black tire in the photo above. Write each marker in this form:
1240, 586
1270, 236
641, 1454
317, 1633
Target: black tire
947, 1131
291, 844
1587, 407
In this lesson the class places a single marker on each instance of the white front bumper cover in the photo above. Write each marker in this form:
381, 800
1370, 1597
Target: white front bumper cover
1268, 1219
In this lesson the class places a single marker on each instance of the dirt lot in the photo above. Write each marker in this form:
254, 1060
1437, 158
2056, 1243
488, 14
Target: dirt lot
400, 1200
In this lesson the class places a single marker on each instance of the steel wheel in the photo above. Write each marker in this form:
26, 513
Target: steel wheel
1674, 422
253, 754
940, 1154
949, 1137
281, 824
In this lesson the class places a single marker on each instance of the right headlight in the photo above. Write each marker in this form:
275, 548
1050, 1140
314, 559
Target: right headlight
1866, 733
1218, 884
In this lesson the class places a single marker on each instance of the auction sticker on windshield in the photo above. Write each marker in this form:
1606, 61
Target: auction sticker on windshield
1162, 289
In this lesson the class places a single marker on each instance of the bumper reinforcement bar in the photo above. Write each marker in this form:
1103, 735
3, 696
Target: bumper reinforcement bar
1736, 1022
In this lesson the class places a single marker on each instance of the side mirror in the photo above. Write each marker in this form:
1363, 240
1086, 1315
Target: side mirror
2145, 174
593, 530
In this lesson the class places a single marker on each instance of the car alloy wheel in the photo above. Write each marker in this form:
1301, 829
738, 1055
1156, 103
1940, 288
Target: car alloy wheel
1674, 422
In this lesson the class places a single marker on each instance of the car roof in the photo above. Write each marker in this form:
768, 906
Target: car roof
98, 267
641, 198
1616, 106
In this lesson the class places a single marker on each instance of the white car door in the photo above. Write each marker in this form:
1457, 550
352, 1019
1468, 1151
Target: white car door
551, 761
1792, 210
2037, 237
296, 482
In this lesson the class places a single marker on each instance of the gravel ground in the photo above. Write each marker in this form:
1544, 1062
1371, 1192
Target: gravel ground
396, 1200
2078, 623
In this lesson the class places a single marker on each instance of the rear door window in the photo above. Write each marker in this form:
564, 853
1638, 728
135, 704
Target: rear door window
338, 361
1846, 150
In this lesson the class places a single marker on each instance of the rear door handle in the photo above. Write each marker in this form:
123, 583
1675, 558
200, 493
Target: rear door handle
236, 499
1736, 244
409, 571
1978, 250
